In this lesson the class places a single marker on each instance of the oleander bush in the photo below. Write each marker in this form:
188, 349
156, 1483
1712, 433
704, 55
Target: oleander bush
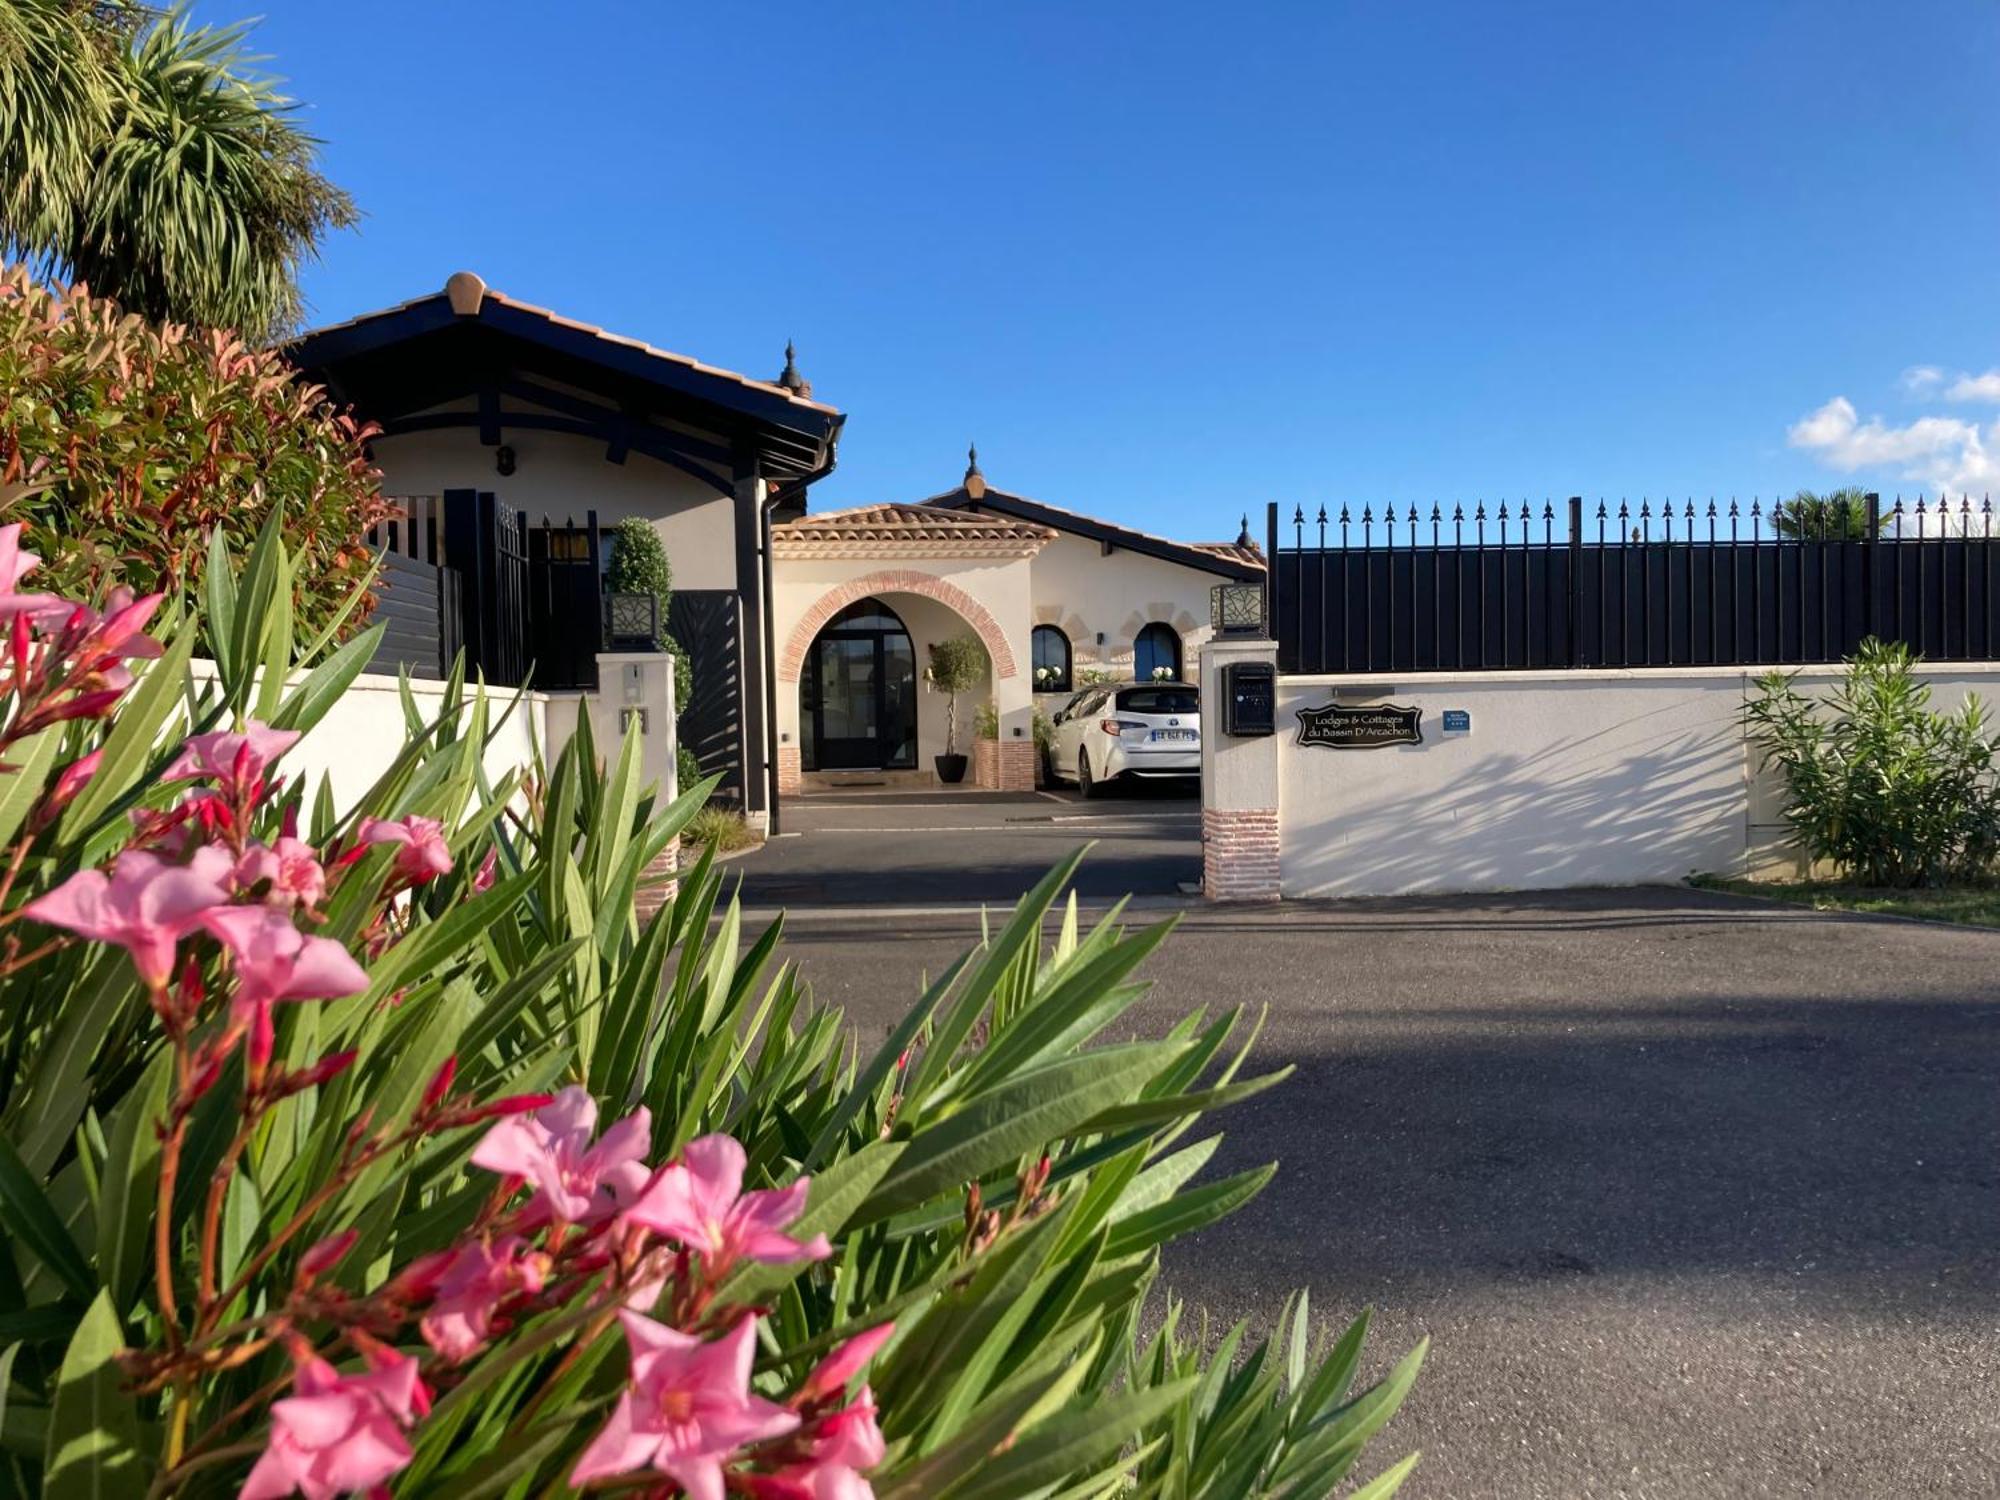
1891, 791
383, 1147
125, 445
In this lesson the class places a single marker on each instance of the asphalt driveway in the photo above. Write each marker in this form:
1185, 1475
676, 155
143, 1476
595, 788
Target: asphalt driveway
929, 848
1696, 1196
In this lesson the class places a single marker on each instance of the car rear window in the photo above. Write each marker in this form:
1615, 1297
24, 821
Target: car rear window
1160, 700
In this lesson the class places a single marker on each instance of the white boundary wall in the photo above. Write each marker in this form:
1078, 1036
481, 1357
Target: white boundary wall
1565, 779
363, 733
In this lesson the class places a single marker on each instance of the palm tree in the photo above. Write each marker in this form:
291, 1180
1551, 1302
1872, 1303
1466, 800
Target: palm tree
197, 196
1836, 516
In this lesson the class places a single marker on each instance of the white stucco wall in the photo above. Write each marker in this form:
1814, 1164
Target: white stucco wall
1078, 588
1000, 584
563, 475
1571, 778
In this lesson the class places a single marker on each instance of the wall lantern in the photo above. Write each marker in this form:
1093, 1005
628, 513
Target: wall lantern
503, 459
1236, 608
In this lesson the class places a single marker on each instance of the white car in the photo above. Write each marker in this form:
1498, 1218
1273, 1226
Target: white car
1128, 729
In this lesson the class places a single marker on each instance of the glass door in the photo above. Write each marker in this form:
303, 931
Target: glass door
860, 705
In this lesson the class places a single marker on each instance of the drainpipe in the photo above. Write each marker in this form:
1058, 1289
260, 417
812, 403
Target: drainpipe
770, 671
771, 641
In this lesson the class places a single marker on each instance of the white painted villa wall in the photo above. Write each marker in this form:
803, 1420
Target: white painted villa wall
1566, 779
562, 475
1077, 588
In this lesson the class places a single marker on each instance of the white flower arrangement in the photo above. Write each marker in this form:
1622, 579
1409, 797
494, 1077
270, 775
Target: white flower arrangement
1164, 674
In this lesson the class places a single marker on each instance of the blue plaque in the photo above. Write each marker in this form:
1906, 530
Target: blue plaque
1457, 721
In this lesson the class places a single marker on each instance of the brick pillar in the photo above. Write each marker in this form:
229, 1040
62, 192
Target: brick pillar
657, 885
986, 764
791, 780
1016, 772
1242, 855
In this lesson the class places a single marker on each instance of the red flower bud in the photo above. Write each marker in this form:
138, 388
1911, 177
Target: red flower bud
327, 1254
440, 1085
518, 1104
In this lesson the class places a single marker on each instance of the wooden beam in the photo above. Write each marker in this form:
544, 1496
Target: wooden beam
489, 416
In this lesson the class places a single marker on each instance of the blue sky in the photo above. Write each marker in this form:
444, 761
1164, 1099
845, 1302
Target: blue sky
1166, 262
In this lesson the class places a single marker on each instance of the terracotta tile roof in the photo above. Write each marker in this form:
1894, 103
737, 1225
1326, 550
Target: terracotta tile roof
1251, 556
906, 530
487, 294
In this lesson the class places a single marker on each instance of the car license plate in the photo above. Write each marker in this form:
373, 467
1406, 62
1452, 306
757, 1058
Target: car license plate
1175, 734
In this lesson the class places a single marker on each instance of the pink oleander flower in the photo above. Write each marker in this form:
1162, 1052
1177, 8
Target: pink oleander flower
830, 1376
844, 1446
472, 1285
482, 878
687, 1410
116, 634
275, 961
422, 853
14, 566
236, 761
292, 868
700, 1202
145, 906
338, 1434
574, 1180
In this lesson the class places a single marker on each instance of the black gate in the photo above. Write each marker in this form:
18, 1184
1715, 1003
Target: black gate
485, 539
1396, 591
418, 607
565, 609
703, 623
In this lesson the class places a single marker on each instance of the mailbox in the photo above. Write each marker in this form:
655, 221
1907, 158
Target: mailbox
1249, 698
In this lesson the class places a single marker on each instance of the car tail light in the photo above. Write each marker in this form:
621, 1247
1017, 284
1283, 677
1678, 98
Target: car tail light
1118, 726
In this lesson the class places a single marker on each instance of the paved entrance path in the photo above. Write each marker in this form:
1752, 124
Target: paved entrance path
930, 848
1697, 1197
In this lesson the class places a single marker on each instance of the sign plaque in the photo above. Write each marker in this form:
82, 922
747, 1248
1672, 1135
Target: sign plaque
1457, 721
1360, 726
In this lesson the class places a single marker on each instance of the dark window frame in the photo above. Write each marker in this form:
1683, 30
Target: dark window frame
1156, 632
1036, 638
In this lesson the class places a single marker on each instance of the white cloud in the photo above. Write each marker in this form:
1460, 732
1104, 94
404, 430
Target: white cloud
1975, 388
1921, 379
1941, 453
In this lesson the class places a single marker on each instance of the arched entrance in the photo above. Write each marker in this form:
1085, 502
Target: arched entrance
858, 692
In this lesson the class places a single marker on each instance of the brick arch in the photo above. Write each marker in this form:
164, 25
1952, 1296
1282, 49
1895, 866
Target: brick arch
896, 581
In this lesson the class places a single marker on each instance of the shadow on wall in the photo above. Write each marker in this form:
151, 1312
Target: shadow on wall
1579, 810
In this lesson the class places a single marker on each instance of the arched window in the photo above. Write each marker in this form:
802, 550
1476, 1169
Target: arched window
1051, 654
1156, 647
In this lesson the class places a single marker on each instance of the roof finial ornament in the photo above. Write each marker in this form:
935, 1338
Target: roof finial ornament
975, 482
1243, 537
790, 378
971, 460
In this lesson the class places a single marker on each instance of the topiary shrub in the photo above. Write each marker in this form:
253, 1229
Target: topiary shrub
958, 663
1879, 783
124, 447
639, 565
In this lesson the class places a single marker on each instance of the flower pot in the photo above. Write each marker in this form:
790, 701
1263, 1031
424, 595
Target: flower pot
950, 769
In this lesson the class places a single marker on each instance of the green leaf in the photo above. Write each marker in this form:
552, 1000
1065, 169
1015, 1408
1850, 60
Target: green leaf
34, 1224
308, 702
131, 1182
1073, 1441
1185, 1213
1388, 1482
32, 759
93, 1446
1014, 1120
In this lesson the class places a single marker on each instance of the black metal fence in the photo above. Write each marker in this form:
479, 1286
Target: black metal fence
1717, 584
418, 607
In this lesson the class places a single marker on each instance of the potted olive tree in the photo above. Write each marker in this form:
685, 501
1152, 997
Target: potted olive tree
957, 666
